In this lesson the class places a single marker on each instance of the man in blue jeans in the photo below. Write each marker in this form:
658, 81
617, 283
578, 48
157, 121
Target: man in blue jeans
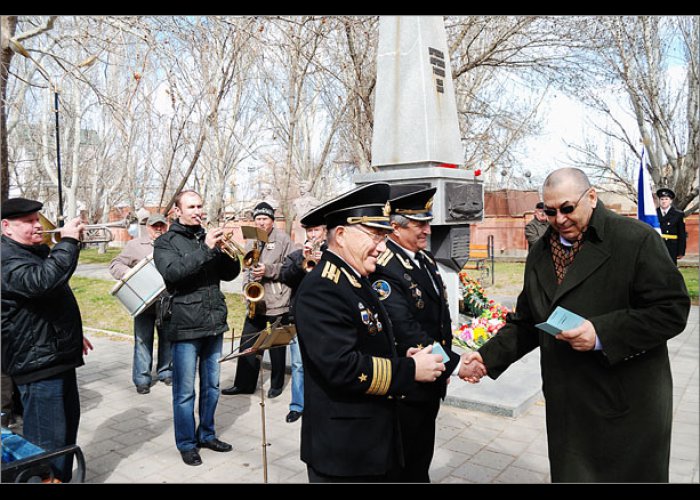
42, 332
133, 254
193, 315
295, 266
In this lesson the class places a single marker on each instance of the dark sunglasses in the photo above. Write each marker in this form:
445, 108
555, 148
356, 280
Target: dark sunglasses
566, 210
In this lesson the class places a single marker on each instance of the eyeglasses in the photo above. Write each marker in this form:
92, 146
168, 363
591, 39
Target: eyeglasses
566, 210
376, 238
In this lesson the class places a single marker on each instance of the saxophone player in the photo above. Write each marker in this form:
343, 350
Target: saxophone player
273, 305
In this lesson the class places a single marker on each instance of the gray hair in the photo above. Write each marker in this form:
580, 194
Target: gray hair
400, 220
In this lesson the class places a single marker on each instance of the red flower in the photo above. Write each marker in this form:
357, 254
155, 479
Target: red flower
477, 172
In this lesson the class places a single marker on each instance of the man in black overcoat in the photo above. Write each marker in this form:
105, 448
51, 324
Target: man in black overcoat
607, 382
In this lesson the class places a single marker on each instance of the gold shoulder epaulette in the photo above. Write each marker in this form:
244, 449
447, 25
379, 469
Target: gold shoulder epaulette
381, 376
385, 257
353, 281
405, 262
331, 272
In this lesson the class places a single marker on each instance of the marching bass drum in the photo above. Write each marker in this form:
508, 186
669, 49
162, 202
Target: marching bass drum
140, 287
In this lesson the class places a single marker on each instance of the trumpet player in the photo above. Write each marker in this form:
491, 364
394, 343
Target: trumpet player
193, 315
295, 267
274, 304
42, 331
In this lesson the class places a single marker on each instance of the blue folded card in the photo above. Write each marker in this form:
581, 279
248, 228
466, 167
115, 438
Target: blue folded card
437, 349
561, 319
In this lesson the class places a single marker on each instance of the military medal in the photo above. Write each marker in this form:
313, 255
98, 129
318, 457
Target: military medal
375, 326
364, 313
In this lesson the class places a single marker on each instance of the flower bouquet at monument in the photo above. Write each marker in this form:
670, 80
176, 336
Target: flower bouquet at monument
488, 316
473, 295
479, 330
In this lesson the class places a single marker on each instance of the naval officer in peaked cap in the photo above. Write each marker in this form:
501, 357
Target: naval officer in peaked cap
353, 374
671, 223
411, 289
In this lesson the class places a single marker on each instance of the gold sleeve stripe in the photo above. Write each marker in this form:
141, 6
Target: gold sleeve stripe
381, 376
385, 257
331, 272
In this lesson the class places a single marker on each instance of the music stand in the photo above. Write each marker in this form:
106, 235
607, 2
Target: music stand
275, 335
254, 233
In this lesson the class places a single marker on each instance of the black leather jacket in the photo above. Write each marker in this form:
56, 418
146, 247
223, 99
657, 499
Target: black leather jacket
42, 332
192, 272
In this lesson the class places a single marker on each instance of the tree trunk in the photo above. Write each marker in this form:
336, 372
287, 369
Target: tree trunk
8, 25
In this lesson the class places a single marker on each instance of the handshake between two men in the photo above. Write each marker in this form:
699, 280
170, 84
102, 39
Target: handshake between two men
429, 367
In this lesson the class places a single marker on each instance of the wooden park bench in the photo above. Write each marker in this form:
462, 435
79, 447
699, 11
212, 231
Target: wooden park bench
481, 261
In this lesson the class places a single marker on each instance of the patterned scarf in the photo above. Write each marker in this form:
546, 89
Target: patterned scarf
563, 256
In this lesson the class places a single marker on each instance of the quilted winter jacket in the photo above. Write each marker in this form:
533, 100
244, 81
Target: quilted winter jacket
192, 272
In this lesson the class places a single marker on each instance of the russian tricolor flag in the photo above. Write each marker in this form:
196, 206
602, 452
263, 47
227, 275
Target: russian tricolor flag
646, 210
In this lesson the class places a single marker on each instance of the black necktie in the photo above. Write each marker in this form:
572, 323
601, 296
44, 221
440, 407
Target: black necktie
424, 265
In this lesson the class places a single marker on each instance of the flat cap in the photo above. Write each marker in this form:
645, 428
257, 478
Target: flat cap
665, 192
416, 205
367, 205
17, 207
264, 208
155, 219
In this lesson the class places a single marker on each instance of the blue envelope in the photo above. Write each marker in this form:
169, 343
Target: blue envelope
561, 319
437, 349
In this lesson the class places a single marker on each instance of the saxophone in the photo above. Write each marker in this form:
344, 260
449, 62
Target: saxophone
253, 290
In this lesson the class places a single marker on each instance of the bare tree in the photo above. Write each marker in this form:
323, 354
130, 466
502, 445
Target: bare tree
356, 69
291, 90
501, 66
11, 42
235, 124
634, 57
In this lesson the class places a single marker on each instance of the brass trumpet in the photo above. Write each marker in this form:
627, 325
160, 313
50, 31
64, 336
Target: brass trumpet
310, 262
92, 233
228, 245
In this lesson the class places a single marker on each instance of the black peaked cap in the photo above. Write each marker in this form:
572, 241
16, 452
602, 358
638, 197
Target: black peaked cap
416, 205
665, 192
367, 205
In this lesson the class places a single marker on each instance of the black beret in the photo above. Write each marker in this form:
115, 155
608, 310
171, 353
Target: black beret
540, 205
264, 208
416, 205
665, 192
367, 205
17, 207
